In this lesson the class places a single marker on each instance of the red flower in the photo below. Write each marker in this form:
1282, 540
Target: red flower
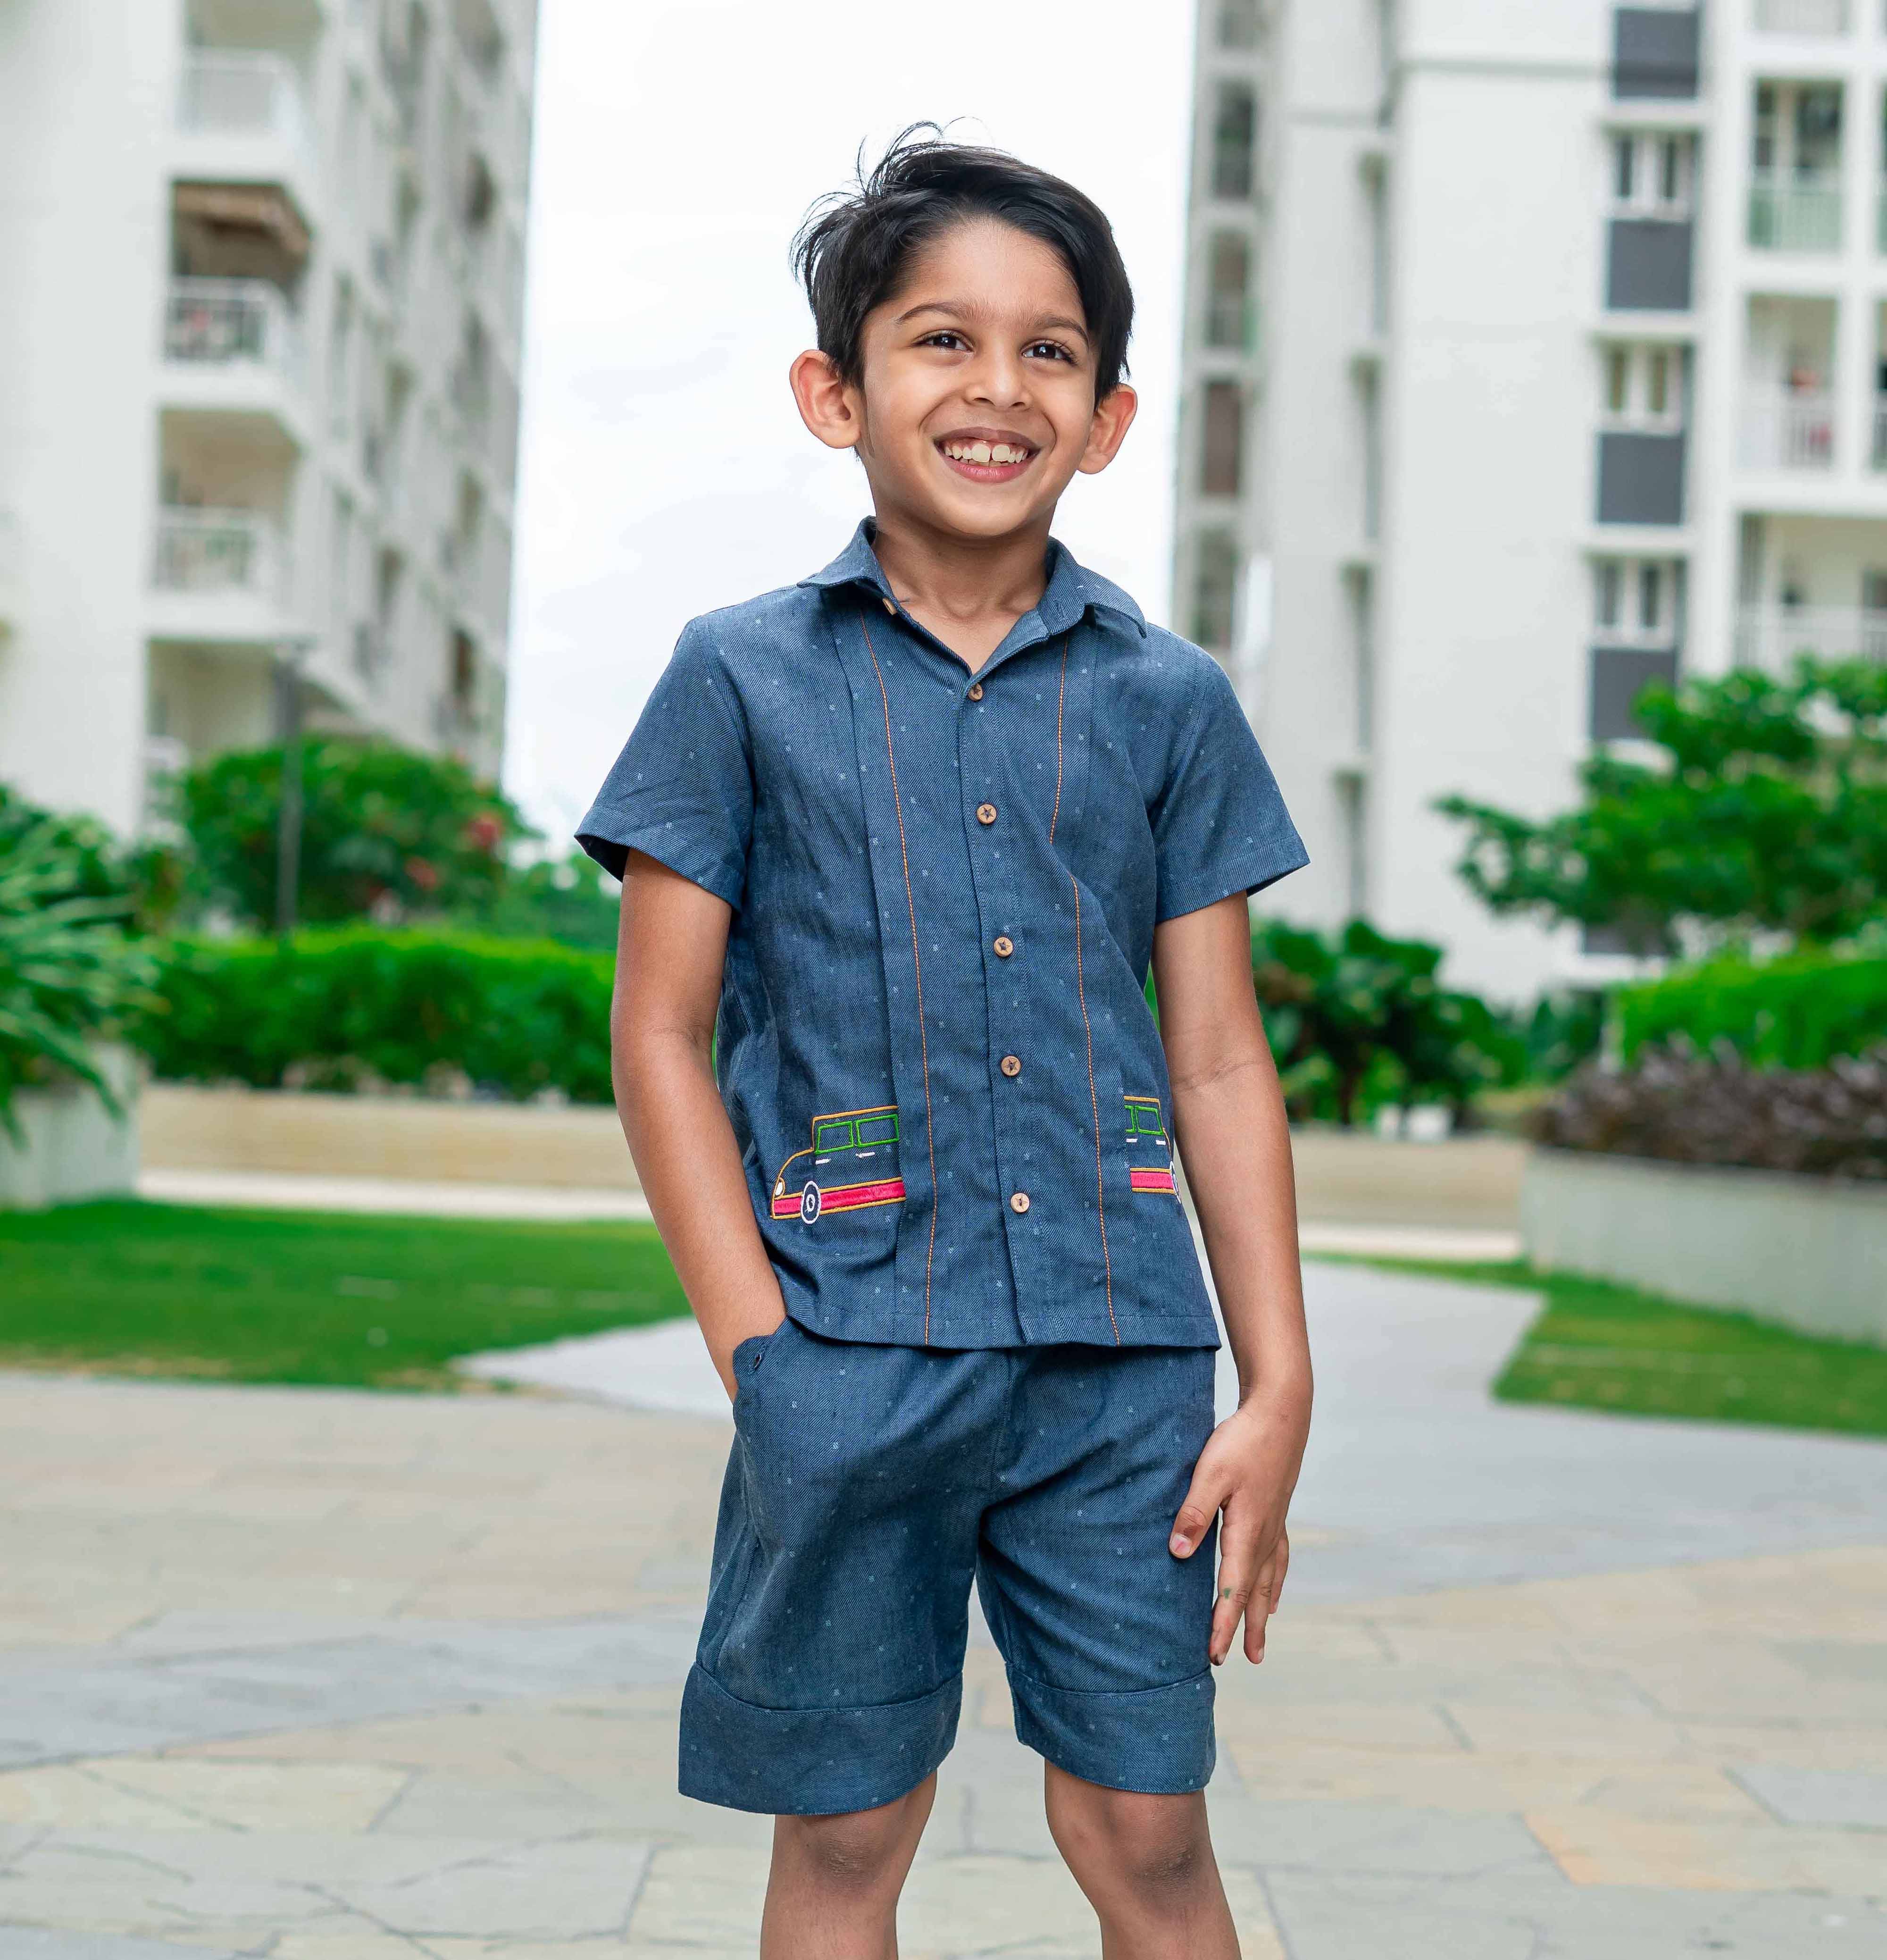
484, 831
423, 873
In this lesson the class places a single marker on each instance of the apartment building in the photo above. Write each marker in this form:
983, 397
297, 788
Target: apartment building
260, 298
1532, 353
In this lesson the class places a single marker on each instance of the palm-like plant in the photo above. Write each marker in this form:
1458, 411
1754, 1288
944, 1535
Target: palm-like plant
69, 973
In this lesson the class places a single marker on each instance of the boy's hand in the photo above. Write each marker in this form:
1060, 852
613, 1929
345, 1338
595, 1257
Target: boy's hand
1246, 1473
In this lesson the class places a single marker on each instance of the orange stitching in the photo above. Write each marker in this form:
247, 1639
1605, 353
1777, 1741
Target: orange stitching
917, 965
1081, 994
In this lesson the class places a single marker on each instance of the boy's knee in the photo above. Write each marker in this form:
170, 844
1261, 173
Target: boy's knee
1154, 1846
858, 1851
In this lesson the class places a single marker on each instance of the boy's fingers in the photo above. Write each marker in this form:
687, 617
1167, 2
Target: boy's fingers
1235, 1594
1196, 1514
1264, 1603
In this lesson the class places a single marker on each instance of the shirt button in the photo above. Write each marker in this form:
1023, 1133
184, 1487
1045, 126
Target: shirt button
1005, 945
1011, 1064
1019, 1203
890, 606
985, 813
976, 690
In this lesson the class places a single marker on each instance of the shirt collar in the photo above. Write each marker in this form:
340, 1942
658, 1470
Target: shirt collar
1071, 591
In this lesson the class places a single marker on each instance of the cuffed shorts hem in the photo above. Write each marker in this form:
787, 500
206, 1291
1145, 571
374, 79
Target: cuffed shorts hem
1157, 1741
810, 1762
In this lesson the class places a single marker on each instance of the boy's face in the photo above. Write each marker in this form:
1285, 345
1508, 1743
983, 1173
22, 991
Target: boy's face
977, 404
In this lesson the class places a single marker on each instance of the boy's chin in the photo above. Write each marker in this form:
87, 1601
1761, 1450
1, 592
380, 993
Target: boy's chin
976, 513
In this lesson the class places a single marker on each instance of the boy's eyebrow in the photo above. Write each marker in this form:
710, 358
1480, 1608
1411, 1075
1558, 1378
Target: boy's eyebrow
958, 310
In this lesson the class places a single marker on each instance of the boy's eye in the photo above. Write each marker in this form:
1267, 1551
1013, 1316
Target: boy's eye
943, 337
1054, 349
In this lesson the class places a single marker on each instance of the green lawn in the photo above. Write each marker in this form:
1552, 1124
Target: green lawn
239, 1296
1599, 1346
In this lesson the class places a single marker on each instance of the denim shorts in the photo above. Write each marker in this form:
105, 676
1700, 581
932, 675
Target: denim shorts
866, 1488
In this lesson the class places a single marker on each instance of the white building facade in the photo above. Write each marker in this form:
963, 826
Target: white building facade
261, 301
1533, 352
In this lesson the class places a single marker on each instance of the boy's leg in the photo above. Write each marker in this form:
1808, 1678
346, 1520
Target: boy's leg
832, 1893
1147, 1866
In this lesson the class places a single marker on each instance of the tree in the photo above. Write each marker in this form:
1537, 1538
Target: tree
1766, 813
385, 832
1359, 1017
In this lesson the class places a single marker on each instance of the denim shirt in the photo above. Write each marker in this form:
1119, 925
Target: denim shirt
933, 1039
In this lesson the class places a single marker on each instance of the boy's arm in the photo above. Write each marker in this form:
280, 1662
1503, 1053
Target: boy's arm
1228, 1120
671, 944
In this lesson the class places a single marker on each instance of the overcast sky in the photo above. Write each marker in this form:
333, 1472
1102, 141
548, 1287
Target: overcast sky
664, 470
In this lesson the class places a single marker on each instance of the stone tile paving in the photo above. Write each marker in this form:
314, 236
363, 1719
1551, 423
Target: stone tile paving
337, 1677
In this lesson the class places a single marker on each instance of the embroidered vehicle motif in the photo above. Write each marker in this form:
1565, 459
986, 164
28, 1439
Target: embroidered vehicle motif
1149, 1155
852, 1164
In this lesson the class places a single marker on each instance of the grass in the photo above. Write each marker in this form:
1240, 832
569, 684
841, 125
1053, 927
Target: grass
1598, 1346
341, 1300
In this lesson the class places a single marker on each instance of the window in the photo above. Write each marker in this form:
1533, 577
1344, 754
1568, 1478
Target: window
1643, 389
1215, 591
834, 1137
877, 1130
1637, 602
1234, 141
1222, 468
1228, 308
1237, 23
1651, 175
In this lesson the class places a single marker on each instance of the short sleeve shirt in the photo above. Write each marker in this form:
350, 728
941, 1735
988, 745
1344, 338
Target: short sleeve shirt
933, 1041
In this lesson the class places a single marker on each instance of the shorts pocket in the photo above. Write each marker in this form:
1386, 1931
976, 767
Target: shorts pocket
748, 1358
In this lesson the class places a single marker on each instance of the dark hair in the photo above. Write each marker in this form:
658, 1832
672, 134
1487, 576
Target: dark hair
852, 250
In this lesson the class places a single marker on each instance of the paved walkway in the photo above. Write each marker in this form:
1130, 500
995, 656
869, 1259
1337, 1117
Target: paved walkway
326, 1676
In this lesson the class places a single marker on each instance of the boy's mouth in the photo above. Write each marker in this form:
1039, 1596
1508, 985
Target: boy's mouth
987, 457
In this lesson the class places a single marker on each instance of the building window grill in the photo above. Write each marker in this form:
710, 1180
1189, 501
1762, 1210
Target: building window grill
1228, 310
1223, 461
1234, 142
1215, 591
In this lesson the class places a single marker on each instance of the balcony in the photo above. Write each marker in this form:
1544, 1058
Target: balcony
232, 323
240, 552
1794, 214
249, 97
1805, 18
1771, 637
1785, 428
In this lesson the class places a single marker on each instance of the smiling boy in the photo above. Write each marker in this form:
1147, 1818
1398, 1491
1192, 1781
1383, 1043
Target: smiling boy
899, 845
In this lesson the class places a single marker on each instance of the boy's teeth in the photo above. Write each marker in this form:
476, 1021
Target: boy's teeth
985, 452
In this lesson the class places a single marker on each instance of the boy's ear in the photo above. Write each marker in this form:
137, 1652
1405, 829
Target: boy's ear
828, 405
1113, 416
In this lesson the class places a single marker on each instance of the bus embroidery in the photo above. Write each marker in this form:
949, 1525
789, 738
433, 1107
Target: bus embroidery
1149, 1156
851, 1165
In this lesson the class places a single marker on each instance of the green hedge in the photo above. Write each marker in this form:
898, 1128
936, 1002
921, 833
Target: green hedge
1800, 1012
361, 1004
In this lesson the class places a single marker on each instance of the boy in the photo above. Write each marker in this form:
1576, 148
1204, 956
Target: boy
897, 847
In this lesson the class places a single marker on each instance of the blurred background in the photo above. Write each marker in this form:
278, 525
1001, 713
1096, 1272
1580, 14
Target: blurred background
382, 385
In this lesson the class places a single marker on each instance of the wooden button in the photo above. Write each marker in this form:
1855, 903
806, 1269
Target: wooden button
1011, 1064
1019, 1203
985, 813
976, 690
1005, 945
890, 607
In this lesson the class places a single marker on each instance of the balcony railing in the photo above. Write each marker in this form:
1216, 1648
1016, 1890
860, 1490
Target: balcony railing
1230, 318
221, 551
1786, 428
230, 94
227, 323
1801, 16
1771, 637
1797, 215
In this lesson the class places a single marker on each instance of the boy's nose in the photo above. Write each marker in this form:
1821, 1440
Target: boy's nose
999, 379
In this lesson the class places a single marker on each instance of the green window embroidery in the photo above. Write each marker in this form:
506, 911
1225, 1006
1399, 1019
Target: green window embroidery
834, 1137
877, 1130
1143, 1119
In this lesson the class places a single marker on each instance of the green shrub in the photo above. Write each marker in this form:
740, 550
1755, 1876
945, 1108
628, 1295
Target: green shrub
1797, 1013
352, 1006
69, 973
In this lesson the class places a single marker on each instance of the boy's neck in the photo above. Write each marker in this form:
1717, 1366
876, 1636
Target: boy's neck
968, 592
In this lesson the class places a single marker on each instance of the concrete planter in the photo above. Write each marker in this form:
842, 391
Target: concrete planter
1810, 1252
74, 1147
